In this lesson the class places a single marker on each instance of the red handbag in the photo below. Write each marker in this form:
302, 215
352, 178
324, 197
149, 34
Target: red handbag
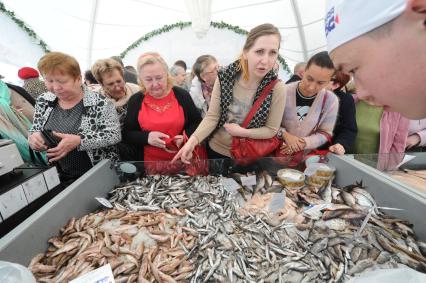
294, 159
199, 164
246, 150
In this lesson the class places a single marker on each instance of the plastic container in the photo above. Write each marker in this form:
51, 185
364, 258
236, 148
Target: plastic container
291, 178
15, 273
318, 174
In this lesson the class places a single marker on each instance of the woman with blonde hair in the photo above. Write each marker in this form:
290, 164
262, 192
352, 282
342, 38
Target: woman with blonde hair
238, 86
159, 114
110, 75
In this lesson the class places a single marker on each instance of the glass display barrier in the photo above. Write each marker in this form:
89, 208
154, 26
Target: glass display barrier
409, 168
224, 167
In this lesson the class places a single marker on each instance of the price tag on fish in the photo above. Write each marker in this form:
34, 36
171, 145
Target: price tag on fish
315, 211
230, 185
101, 275
277, 202
104, 202
248, 181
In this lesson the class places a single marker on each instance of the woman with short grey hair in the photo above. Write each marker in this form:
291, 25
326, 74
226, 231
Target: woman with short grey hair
178, 75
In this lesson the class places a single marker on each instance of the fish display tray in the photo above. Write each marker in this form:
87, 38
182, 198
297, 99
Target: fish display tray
30, 237
418, 163
387, 191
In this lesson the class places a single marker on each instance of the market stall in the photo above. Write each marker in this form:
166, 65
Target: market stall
236, 222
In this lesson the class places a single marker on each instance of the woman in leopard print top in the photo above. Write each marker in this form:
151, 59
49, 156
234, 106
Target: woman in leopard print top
85, 124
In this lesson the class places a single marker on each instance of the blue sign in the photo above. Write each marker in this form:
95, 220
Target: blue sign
330, 22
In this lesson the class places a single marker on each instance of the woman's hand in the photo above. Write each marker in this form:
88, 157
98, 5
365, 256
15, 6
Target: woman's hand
36, 142
337, 149
412, 141
235, 130
178, 140
292, 143
185, 153
68, 143
156, 139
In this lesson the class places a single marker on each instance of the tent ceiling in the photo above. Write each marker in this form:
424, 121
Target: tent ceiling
68, 26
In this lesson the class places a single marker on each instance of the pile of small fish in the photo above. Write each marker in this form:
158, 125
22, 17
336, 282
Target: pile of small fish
140, 247
327, 245
335, 231
182, 228
157, 192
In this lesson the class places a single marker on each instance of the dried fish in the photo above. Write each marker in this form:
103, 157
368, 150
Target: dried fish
129, 248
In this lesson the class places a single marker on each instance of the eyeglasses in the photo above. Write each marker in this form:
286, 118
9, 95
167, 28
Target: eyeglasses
113, 84
214, 71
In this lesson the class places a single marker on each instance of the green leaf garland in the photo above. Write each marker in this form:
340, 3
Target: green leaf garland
24, 27
182, 25
146, 37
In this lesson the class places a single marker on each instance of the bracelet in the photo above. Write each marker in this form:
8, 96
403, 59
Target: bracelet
280, 133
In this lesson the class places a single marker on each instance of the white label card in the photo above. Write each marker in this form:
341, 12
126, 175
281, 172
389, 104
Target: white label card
52, 178
277, 202
316, 208
248, 181
104, 202
35, 188
12, 201
240, 200
407, 158
100, 275
230, 185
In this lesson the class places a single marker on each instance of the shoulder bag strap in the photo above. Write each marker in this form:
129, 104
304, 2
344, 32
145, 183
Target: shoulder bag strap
258, 102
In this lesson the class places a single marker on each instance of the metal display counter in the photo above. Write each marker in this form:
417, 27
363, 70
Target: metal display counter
30, 237
417, 163
386, 191
376, 167
24, 191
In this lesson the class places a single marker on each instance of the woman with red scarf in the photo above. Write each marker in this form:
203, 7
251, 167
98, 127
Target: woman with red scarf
158, 116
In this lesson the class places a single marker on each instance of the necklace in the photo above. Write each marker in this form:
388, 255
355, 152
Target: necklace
157, 108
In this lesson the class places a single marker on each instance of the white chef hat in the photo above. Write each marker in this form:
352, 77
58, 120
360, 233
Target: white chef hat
348, 19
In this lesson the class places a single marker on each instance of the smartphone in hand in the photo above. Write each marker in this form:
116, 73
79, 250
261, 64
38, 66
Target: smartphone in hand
50, 140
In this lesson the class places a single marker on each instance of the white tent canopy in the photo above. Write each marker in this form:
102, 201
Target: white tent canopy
94, 29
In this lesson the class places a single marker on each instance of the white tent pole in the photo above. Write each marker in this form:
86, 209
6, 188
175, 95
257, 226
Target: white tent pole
300, 29
92, 25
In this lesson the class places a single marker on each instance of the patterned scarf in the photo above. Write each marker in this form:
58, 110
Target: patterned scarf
227, 77
207, 91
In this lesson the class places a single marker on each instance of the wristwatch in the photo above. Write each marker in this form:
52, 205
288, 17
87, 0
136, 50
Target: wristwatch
280, 133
